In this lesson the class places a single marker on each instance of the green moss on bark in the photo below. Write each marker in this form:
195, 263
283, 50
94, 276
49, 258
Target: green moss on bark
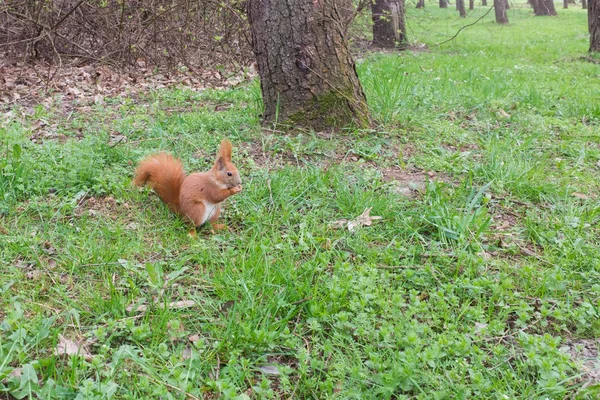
331, 109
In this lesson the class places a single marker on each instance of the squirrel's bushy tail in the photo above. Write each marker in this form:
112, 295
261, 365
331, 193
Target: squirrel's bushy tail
164, 173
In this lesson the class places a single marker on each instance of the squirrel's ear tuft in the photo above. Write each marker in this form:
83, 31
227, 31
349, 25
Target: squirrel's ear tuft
225, 150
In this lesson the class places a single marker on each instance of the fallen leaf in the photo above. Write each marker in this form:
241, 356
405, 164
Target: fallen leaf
187, 353
269, 369
67, 347
480, 327
172, 305
339, 224
364, 219
503, 113
580, 195
33, 275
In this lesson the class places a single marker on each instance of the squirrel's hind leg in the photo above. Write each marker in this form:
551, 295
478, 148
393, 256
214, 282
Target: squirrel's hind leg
200, 213
197, 214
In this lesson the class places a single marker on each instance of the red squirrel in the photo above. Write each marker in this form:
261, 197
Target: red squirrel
196, 196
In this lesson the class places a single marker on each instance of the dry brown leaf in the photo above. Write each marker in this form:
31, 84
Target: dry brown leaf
580, 195
339, 224
33, 275
187, 353
68, 347
364, 219
503, 113
172, 305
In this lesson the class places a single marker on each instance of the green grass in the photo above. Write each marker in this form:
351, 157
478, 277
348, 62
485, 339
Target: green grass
471, 288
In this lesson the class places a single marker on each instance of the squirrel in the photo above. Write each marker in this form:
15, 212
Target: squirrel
197, 196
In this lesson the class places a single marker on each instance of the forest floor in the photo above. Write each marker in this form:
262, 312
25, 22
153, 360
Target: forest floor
480, 280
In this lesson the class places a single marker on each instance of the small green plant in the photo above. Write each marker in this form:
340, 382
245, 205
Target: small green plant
463, 225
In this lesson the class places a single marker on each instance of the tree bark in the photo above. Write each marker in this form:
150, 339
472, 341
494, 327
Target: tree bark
421, 4
506, 5
500, 10
443, 4
543, 7
594, 25
307, 75
460, 6
565, 3
471, 5
584, 4
388, 23
484, 2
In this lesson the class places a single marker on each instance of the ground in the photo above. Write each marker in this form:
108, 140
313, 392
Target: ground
480, 279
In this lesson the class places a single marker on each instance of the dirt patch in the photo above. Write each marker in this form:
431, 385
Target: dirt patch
410, 182
585, 351
265, 159
503, 221
268, 157
104, 207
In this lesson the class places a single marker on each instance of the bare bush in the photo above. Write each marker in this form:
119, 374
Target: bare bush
163, 33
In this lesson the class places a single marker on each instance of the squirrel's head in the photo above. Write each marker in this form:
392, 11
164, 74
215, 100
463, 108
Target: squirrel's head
224, 170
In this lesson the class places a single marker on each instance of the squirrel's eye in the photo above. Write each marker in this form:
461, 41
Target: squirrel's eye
229, 174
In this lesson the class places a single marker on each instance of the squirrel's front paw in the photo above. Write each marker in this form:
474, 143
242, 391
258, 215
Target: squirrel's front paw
236, 189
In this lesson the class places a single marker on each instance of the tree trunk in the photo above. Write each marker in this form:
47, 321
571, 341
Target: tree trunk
506, 5
421, 4
460, 5
594, 25
471, 5
484, 2
584, 4
565, 3
388, 23
307, 75
443, 4
499, 8
543, 7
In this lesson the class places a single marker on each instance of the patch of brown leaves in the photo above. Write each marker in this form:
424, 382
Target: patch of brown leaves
30, 84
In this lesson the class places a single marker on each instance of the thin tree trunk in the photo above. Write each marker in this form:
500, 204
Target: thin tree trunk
594, 25
471, 5
460, 5
484, 2
565, 3
500, 10
388, 23
443, 4
307, 75
421, 4
584, 4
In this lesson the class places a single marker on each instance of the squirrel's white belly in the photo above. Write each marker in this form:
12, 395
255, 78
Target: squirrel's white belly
209, 209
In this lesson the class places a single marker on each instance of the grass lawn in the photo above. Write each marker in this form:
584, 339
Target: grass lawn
481, 280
